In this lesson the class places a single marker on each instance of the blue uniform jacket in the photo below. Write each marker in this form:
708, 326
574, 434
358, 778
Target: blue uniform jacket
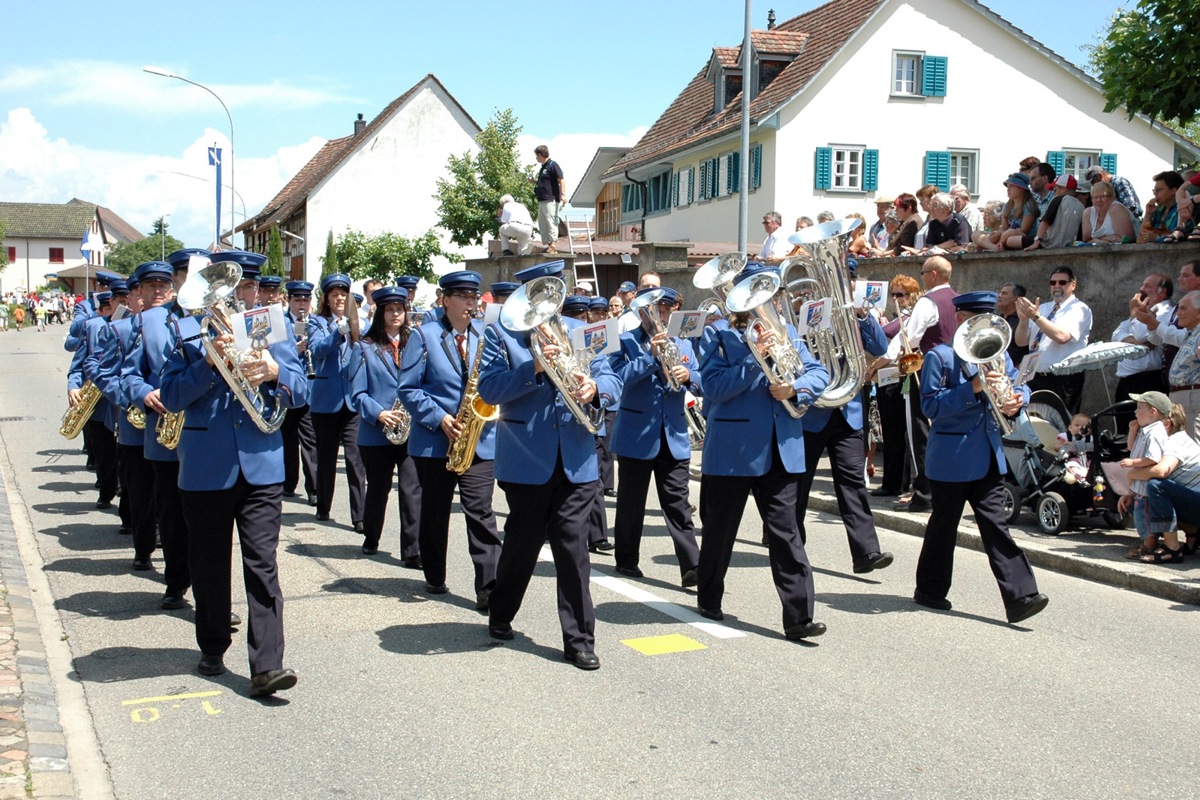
82, 313
330, 351
219, 438
154, 341
743, 418
432, 382
875, 343
372, 378
536, 428
963, 437
647, 405
89, 369
291, 320
117, 342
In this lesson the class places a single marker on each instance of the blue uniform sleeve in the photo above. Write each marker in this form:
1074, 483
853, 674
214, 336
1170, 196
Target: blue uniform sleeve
186, 377
726, 365
499, 381
608, 384
873, 338
425, 411
109, 370
942, 393
133, 380
815, 377
633, 363
324, 339
290, 388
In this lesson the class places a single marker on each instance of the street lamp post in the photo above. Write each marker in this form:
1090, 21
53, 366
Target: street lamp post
232, 211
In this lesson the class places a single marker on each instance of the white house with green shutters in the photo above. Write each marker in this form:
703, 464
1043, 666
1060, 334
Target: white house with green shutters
857, 99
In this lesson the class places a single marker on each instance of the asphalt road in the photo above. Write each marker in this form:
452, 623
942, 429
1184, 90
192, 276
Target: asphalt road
405, 695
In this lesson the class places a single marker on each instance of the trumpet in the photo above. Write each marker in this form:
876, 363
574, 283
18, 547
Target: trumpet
982, 340
168, 429
78, 414
667, 354
759, 295
534, 307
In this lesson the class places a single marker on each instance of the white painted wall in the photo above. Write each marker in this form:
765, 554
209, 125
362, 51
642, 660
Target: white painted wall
388, 181
32, 264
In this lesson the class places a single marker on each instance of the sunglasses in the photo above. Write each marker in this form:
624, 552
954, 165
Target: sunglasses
1059, 283
899, 294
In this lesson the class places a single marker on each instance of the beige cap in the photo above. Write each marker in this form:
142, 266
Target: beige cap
884, 200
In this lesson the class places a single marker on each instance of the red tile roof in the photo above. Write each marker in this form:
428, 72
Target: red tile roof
815, 36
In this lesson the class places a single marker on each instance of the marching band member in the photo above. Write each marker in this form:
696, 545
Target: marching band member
270, 291
839, 432
102, 444
598, 312
436, 371
299, 438
95, 361
373, 371
650, 437
966, 464
546, 465
753, 445
334, 420
230, 471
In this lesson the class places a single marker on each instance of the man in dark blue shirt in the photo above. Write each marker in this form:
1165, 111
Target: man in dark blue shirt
550, 191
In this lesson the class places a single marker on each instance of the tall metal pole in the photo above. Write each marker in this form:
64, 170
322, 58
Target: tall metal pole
744, 172
232, 184
162, 230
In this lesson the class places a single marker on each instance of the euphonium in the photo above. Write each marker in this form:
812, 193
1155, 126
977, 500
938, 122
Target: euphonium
646, 307
78, 414
169, 429
136, 417
473, 414
716, 275
208, 290
534, 307
759, 294
398, 433
697, 426
823, 251
982, 340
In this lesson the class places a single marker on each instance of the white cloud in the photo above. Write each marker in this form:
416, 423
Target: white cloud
35, 167
120, 87
574, 151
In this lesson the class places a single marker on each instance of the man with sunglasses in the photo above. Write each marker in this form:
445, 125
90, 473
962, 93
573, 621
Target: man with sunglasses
1056, 329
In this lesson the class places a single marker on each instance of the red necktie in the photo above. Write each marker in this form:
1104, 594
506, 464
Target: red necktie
396, 351
462, 346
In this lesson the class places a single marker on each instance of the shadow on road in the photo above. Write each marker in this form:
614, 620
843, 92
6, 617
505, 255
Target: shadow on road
112, 605
114, 664
100, 567
874, 604
68, 508
74, 487
441, 638
88, 536
406, 591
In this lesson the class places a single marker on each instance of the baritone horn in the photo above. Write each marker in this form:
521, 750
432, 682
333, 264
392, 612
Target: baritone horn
646, 307
759, 295
534, 307
716, 275
982, 340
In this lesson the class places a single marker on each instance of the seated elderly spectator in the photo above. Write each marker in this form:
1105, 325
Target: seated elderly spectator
1122, 189
1147, 445
1107, 221
516, 227
1020, 216
825, 216
1061, 225
1173, 491
964, 208
948, 232
803, 222
910, 221
1040, 186
1161, 222
883, 204
891, 224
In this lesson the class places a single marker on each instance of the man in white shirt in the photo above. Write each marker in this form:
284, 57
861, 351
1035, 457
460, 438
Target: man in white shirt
516, 226
963, 207
1145, 374
1056, 329
775, 247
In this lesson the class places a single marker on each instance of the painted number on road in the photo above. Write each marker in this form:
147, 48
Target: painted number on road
146, 709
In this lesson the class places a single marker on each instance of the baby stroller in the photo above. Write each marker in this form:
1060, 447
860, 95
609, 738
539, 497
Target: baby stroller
1039, 475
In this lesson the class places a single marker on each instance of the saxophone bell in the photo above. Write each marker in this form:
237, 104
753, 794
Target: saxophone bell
78, 414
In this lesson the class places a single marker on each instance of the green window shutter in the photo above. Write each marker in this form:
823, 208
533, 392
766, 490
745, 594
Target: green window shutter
870, 181
714, 177
824, 170
933, 76
733, 176
937, 168
625, 198
1058, 160
675, 189
703, 180
691, 194
1108, 162
756, 166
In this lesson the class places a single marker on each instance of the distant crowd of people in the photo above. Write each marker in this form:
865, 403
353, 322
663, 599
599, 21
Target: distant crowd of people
18, 310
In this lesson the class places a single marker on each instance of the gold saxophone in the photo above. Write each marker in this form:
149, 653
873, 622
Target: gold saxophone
78, 414
473, 412
169, 429
136, 417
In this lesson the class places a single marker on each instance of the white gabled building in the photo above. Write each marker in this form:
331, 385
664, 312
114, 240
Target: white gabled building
861, 98
382, 178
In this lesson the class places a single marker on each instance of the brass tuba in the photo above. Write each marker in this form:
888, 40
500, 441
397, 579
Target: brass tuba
821, 258
210, 291
645, 306
759, 294
78, 414
473, 414
534, 307
716, 275
983, 340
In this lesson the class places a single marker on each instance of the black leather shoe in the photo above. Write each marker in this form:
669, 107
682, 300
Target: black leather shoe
436, 588
412, 563
610, 492
1025, 607
630, 572
289, 492
808, 630
929, 601
360, 528
211, 665
276, 680
689, 579
370, 549
919, 506
882, 492
103, 505
312, 500
483, 600
172, 601
125, 530
500, 630
582, 658
711, 613
322, 517
234, 620
872, 562
602, 547
142, 564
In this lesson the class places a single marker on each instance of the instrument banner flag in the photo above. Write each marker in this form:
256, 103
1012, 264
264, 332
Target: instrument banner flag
258, 328
814, 316
869, 294
599, 338
686, 324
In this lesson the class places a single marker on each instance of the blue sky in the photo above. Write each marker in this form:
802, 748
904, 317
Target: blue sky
79, 118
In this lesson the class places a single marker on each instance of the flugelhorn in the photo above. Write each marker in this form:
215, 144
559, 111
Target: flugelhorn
982, 340
759, 294
534, 307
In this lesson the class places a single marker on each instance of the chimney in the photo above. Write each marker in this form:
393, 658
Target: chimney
771, 19
359, 125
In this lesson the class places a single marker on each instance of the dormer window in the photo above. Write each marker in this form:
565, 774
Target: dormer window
768, 70
728, 86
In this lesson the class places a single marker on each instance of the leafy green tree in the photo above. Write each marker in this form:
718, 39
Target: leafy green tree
274, 265
389, 256
124, 257
3, 251
329, 262
468, 202
1146, 62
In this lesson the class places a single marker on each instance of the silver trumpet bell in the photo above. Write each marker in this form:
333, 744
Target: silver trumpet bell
534, 306
715, 275
646, 307
820, 270
759, 295
210, 291
983, 340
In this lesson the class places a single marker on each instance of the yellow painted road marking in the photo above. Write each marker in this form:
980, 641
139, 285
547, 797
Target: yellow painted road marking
661, 645
165, 698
